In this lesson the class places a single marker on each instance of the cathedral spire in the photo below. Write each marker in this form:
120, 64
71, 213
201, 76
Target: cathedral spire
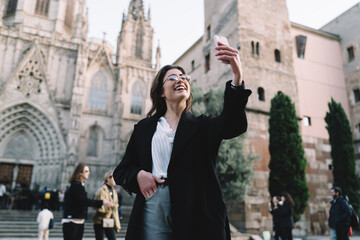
136, 9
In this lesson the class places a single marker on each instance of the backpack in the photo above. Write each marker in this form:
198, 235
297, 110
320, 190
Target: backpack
51, 223
47, 196
354, 221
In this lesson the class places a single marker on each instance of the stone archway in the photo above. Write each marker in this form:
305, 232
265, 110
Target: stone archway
33, 144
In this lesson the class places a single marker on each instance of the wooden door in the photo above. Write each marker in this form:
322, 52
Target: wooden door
24, 175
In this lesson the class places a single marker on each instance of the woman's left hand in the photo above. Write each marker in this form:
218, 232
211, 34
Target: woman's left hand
229, 55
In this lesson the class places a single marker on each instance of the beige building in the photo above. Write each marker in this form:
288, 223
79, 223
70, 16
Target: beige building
277, 55
65, 99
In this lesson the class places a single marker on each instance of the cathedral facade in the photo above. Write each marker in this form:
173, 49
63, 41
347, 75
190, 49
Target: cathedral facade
64, 99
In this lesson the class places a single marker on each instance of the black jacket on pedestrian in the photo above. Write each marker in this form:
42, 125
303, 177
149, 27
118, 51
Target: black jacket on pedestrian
340, 213
197, 207
285, 215
76, 202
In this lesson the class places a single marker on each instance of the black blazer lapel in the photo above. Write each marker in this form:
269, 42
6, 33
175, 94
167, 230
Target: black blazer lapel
188, 126
147, 131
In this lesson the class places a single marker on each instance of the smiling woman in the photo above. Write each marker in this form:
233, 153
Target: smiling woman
169, 160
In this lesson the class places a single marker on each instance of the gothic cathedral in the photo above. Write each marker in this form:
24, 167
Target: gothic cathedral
65, 99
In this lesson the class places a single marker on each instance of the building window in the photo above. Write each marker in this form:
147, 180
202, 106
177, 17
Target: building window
139, 43
11, 7
93, 142
357, 95
207, 62
261, 94
136, 98
300, 45
69, 13
208, 33
42, 7
277, 56
192, 65
98, 92
307, 121
358, 130
255, 48
351, 54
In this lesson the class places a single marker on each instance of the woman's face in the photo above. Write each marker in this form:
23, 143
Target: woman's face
283, 198
176, 87
275, 199
85, 173
110, 181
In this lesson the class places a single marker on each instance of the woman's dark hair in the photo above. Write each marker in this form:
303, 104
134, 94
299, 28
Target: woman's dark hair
76, 175
158, 102
288, 198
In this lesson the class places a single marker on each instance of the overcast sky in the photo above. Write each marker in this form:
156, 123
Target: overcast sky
178, 24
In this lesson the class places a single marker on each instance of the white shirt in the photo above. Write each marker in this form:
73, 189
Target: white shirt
2, 190
161, 148
43, 219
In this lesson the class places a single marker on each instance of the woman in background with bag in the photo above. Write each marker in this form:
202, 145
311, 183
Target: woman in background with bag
106, 219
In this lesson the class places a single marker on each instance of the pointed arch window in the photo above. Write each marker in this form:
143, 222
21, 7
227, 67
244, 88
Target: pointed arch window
136, 98
93, 142
11, 7
139, 43
42, 7
98, 92
261, 94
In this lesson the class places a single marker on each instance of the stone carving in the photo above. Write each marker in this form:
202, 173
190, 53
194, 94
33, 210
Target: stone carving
30, 78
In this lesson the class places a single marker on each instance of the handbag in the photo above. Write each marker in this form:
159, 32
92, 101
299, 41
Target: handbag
51, 223
108, 222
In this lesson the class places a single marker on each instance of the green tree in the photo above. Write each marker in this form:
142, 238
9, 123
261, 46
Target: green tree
233, 168
288, 162
342, 152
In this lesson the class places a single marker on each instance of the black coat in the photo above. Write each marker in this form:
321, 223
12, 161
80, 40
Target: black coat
340, 213
76, 202
285, 216
197, 207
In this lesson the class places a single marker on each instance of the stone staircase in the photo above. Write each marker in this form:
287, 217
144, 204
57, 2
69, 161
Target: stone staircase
22, 224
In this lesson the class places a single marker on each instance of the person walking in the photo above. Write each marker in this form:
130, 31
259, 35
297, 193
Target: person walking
76, 203
274, 210
107, 191
43, 218
339, 215
286, 221
170, 158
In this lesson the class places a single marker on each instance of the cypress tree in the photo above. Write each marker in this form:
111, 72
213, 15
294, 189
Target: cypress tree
287, 163
342, 152
234, 169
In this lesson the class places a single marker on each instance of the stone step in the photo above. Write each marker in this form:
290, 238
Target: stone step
22, 224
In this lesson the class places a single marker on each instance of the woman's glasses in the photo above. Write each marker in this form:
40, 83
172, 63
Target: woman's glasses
175, 78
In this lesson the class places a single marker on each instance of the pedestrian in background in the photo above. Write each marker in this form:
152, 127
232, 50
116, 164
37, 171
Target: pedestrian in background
274, 210
76, 203
2, 195
339, 215
43, 219
110, 214
286, 212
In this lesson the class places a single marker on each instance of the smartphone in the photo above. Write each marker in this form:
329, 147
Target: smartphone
221, 39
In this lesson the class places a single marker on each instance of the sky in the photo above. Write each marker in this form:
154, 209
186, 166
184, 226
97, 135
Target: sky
178, 24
